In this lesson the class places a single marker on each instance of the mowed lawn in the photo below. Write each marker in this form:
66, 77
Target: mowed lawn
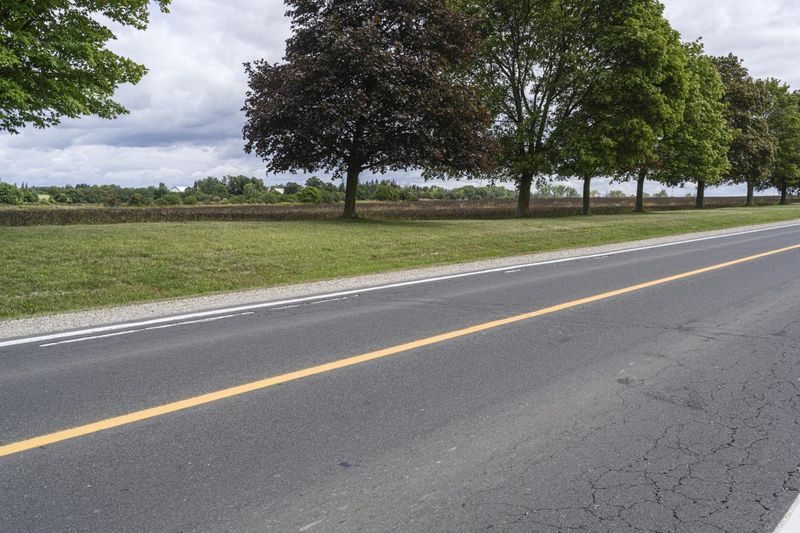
46, 269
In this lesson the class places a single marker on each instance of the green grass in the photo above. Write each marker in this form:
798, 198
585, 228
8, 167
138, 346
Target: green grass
46, 269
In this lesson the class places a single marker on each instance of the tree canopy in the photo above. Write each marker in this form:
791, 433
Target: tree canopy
634, 98
577, 87
532, 64
697, 150
368, 85
753, 148
54, 61
784, 123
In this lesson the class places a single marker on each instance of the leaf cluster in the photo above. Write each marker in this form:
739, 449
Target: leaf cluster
54, 61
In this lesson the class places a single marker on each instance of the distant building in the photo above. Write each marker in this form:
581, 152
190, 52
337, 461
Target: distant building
178, 188
278, 190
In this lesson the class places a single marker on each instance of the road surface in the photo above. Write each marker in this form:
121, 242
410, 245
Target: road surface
640, 391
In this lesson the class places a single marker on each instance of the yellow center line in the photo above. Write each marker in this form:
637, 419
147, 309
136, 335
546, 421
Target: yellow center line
79, 431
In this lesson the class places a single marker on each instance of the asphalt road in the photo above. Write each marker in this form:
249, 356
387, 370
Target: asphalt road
672, 407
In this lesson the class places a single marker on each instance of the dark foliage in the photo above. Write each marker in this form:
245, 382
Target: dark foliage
368, 85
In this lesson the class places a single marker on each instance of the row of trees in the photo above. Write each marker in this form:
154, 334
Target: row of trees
525, 91
250, 190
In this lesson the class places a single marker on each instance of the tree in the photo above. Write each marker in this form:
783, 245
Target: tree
368, 85
211, 186
54, 61
697, 150
753, 147
543, 61
784, 123
530, 62
632, 101
547, 190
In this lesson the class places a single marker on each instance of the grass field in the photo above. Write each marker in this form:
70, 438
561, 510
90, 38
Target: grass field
46, 269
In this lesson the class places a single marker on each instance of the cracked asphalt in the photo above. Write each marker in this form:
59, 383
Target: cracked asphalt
672, 408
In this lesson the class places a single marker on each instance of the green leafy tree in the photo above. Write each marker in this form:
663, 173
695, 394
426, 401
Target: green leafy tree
211, 186
387, 192
54, 61
754, 147
634, 100
549, 190
310, 195
545, 61
236, 185
784, 123
696, 151
292, 188
368, 85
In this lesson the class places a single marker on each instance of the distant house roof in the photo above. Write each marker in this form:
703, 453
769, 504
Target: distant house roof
178, 188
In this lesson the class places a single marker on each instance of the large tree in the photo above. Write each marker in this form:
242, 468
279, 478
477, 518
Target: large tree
753, 149
532, 63
369, 85
54, 60
633, 99
697, 150
784, 123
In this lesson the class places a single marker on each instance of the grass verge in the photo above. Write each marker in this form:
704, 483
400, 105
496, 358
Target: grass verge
48, 269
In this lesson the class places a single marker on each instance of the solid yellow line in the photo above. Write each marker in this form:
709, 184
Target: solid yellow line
21, 446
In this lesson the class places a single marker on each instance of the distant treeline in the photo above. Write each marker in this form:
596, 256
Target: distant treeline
249, 190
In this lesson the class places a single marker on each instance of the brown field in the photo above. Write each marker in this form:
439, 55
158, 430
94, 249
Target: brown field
421, 210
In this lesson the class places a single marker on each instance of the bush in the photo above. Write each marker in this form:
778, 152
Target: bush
10, 194
310, 195
190, 200
173, 198
387, 192
136, 200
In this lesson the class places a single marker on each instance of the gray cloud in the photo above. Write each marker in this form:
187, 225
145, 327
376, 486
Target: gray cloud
185, 121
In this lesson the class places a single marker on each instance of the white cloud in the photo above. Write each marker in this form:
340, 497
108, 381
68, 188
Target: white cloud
185, 119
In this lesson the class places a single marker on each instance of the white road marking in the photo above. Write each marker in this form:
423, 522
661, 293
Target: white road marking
250, 307
513, 271
790, 522
127, 332
332, 300
82, 339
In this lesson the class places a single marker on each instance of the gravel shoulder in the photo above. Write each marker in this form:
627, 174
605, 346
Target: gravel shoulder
84, 319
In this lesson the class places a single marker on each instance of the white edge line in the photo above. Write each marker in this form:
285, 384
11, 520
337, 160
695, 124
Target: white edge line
790, 522
250, 307
82, 339
131, 331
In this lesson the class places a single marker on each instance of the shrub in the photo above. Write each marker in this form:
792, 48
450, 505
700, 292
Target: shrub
310, 195
387, 192
10, 194
171, 198
139, 200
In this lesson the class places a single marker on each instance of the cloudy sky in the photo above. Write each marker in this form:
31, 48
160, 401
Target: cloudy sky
185, 121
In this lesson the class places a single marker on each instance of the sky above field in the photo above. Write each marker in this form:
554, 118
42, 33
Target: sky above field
185, 121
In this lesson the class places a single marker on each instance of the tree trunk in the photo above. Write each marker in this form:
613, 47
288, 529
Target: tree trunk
587, 195
524, 200
784, 195
640, 190
350, 192
750, 190
701, 194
